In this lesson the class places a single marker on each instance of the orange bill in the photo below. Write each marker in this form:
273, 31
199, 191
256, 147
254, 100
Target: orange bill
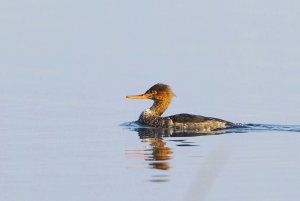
142, 96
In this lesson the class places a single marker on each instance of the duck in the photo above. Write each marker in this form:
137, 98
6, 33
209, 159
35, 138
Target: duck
162, 96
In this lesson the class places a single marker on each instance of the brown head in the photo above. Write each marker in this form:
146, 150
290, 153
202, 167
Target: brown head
162, 95
158, 92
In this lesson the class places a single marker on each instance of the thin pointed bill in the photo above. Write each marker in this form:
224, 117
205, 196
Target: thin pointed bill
142, 96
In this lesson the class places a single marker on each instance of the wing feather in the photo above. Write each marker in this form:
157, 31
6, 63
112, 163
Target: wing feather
184, 118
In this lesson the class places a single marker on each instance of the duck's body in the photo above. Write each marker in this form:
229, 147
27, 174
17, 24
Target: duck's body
162, 96
183, 122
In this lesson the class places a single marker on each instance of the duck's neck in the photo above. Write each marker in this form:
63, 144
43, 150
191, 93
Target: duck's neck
159, 107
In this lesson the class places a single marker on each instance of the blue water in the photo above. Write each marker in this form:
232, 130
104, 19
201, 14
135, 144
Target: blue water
249, 158
241, 128
66, 68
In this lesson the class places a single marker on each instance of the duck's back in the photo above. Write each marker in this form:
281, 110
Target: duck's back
198, 122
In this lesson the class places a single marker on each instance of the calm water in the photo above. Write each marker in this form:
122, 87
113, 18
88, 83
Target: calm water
65, 71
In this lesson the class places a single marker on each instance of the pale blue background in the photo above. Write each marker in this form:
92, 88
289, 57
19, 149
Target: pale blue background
66, 67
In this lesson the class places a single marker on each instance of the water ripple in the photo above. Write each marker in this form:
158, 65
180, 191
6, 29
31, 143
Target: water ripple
146, 132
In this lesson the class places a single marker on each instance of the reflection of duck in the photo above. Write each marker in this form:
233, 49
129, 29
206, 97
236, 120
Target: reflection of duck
160, 153
168, 132
162, 96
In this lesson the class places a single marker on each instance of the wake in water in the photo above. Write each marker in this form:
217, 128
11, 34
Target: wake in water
241, 128
270, 127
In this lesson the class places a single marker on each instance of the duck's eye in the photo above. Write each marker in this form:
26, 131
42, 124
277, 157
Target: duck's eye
153, 92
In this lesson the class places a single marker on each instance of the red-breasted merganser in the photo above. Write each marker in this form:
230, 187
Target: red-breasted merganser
162, 96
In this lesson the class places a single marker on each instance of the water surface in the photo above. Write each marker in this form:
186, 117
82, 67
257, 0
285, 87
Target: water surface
66, 68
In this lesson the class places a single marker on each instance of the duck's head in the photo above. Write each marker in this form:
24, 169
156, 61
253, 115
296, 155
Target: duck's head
158, 92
